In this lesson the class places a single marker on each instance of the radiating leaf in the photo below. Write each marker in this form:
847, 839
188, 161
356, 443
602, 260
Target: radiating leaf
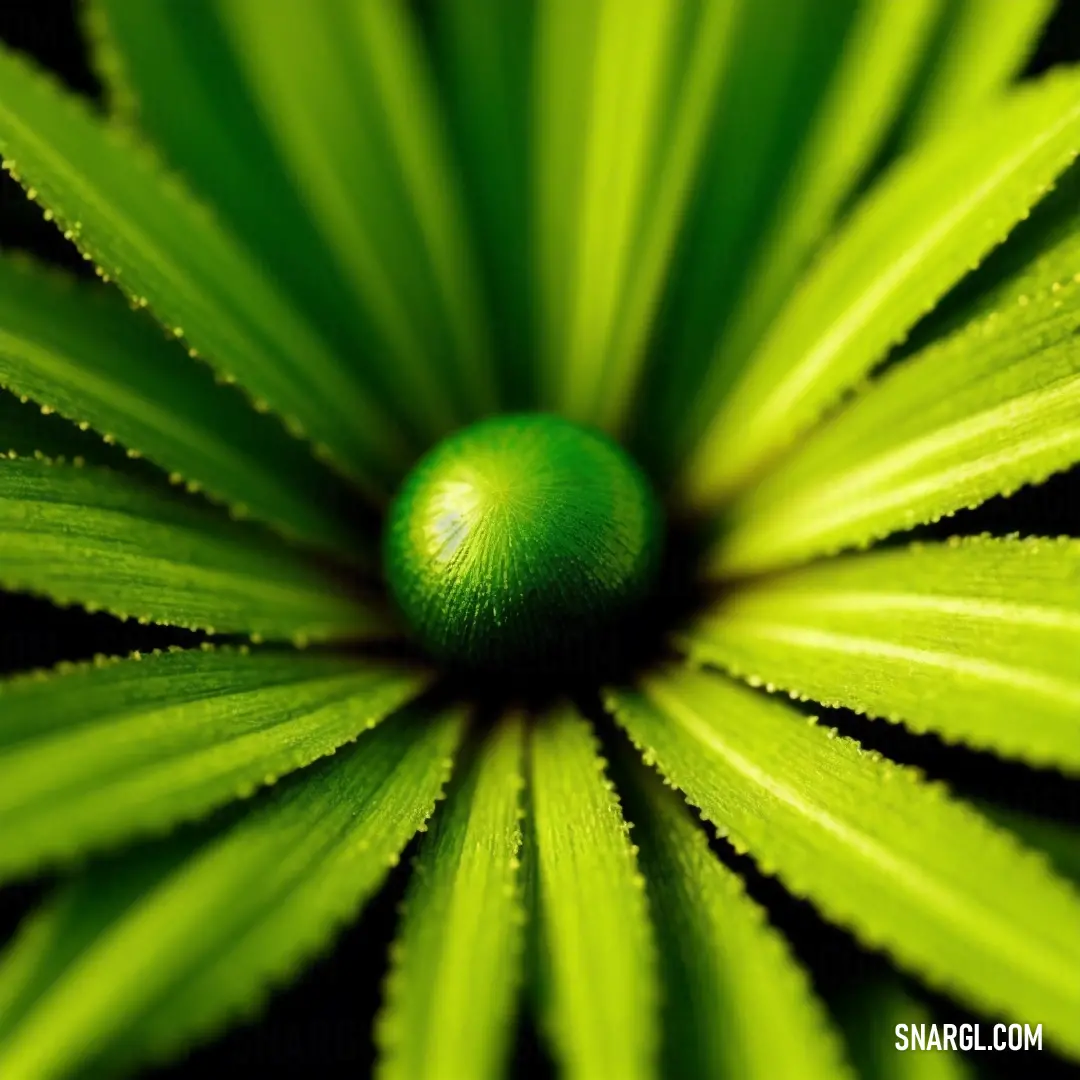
736, 1002
976, 640
871, 1020
983, 46
27, 431
924, 225
481, 61
1060, 842
779, 62
171, 73
450, 997
988, 409
142, 955
346, 95
881, 55
115, 749
598, 993
624, 96
145, 231
82, 354
894, 859
105, 541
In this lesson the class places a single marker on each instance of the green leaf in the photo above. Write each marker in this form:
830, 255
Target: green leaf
146, 232
778, 64
1061, 843
345, 92
924, 225
984, 45
877, 850
597, 978
117, 748
146, 953
170, 72
615, 160
81, 353
106, 541
871, 1026
988, 409
27, 430
736, 1001
976, 640
481, 60
450, 999
881, 56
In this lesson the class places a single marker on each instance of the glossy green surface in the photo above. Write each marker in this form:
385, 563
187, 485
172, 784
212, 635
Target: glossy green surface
514, 541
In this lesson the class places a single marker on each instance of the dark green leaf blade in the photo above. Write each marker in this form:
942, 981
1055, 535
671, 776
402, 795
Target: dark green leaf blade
146, 232
347, 97
95, 755
171, 73
976, 640
106, 541
779, 62
923, 876
147, 953
934, 215
450, 996
26, 431
737, 1003
598, 992
79, 352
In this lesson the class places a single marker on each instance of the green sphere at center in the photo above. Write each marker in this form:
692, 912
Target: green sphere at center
521, 542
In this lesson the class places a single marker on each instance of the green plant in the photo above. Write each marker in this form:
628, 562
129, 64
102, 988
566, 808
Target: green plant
701, 227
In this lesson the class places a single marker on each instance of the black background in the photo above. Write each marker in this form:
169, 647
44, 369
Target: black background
321, 1025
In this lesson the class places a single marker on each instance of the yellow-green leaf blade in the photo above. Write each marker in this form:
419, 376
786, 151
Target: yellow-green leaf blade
984, 46
107, 541
936, 213
115, 749
450, 997
922, 876
624, 93
150, 952
880, 58
146, 232
737, 1003
596, 949
988, 409
976, 640
80, 352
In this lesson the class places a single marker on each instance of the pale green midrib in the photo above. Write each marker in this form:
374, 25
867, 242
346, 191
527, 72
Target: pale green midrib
869, 601
1025, 952
1057, 690
844, 329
